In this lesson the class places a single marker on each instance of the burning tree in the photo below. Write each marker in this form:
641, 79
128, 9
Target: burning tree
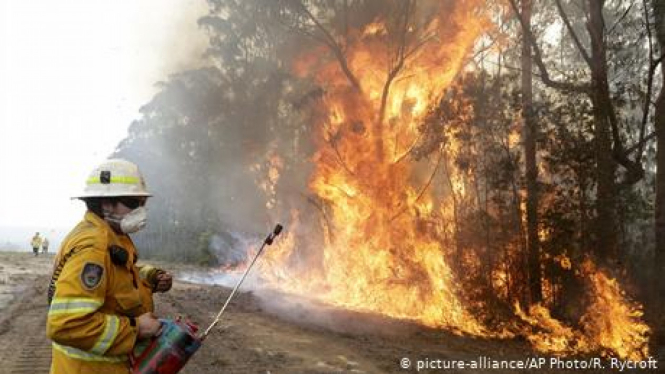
380, 86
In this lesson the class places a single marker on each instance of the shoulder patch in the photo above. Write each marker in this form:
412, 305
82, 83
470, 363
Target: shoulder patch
91, 275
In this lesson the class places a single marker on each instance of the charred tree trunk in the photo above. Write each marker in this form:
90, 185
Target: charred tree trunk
481, 202
487, 225
457, 231
529, 133
606, 199
659, 263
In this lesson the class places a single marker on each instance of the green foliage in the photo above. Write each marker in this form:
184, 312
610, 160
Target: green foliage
204, 254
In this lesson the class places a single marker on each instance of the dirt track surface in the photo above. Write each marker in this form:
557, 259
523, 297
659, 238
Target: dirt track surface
267, 333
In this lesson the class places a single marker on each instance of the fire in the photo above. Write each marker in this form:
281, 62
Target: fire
554, 337
375, 28
500, 282
612, 321
381, 248
611, 325
382, 253
272, 171
563, 261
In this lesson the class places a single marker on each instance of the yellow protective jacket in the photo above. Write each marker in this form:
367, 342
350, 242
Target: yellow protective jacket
36, 241
91, 317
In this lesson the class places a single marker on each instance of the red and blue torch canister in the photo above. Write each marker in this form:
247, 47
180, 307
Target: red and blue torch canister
168, 352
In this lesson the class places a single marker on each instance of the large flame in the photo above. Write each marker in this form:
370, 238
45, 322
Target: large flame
380, 253
381, 223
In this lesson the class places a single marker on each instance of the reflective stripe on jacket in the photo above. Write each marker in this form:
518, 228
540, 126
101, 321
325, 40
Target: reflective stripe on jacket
88, 320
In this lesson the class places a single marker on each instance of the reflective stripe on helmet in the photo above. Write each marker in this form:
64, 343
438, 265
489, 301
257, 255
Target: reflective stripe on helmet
86, 356
111, 329
120, 180
69, 305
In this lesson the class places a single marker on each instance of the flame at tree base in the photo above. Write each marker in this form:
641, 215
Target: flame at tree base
372, 280
612, 325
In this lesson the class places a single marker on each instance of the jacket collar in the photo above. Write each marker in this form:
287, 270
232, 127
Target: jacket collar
113, 238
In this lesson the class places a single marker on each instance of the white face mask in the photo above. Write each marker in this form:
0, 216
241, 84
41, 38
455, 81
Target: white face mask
131, 222
134, 220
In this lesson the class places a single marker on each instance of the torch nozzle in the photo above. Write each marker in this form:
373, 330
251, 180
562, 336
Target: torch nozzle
273, 234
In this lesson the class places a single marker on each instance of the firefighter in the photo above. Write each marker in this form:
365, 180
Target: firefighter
100, 301
45, 244
36, 242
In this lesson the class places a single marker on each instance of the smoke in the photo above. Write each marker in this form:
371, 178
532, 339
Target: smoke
311, 313
207, 140
304, 311
164, 38
213, 277
231, 248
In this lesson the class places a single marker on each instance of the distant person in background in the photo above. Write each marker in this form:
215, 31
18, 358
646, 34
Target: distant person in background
45, 245
100, 301
36, 242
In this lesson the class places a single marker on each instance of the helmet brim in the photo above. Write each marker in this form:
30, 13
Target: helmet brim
128, 194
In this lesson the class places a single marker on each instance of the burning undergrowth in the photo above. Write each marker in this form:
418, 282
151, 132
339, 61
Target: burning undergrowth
611, 324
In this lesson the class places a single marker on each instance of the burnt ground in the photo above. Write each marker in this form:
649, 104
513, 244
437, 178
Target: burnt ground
259, 333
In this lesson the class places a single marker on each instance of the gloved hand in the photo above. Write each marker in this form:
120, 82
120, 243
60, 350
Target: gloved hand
164, 281
148, 325
158, 279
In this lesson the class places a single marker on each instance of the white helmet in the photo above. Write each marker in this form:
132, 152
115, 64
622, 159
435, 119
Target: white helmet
115, 177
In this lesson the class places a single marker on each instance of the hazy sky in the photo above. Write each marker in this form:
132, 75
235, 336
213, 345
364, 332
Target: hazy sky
73, 74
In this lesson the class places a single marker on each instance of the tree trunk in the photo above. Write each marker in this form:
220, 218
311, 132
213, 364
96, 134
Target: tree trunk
606, 226
659, 263
529, 133
606, 248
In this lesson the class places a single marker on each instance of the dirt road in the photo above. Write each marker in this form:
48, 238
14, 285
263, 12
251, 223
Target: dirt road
267, 333
23, 284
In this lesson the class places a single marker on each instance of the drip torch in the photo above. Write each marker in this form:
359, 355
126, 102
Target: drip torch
177, 341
